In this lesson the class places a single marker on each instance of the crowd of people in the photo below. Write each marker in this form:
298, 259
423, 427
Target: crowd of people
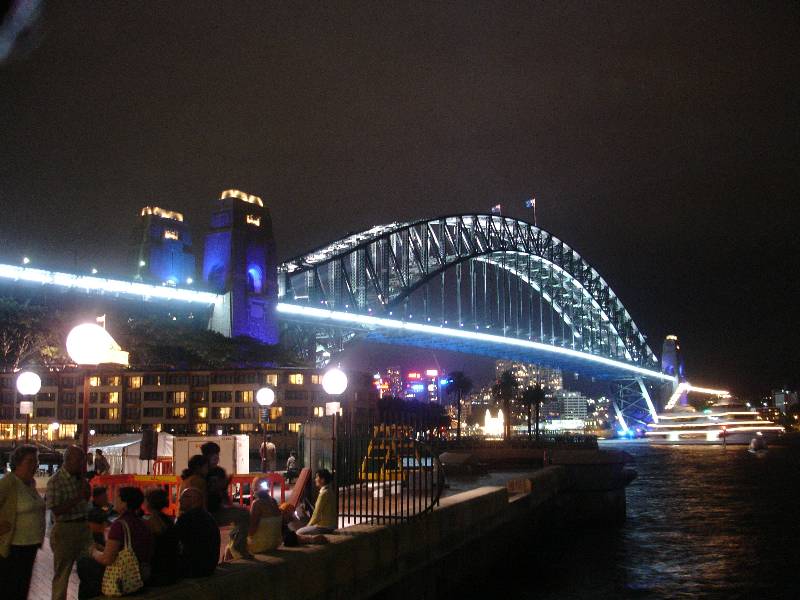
104, 541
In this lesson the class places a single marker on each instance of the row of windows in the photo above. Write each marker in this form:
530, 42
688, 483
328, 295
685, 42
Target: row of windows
137, 381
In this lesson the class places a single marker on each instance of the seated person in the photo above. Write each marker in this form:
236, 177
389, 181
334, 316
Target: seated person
164, 565
198, 536
266, 522
101, 513
91, 568
324, 518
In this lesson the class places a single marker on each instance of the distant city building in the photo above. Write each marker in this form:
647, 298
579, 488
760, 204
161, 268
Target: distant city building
164, 248
528, 375
424, 385
783, 399
599, 413
572, 405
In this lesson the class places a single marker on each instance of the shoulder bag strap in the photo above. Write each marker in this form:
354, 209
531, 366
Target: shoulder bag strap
128, 543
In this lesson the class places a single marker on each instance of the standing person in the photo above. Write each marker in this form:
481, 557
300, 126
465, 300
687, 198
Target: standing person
220, 506
67, 497
101, 466
92, 568
324, 519
198, 536
22, 523
269, 455
291, 466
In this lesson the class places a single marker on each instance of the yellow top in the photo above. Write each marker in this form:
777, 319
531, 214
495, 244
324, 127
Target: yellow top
324, 510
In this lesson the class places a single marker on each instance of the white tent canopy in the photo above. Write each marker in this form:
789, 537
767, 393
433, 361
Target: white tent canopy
122, 453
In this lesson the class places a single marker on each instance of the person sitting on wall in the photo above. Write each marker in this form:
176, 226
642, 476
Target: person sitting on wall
324, 518
165, 537
101, 513
266, 521
198, 536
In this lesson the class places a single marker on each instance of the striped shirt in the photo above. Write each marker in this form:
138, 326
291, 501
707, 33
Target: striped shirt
63, 487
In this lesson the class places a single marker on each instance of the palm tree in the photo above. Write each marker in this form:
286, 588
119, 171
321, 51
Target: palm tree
505, 389
530, 397
460, 384
537, 398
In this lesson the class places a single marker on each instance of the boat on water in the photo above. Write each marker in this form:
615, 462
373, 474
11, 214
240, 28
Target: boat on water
719, 424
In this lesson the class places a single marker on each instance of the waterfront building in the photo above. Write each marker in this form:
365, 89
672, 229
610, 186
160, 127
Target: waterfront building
164, 248
572, 405
179, 402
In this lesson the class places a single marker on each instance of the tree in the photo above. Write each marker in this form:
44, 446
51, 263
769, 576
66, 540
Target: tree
461, 385
27, 334
533, 396
504, 390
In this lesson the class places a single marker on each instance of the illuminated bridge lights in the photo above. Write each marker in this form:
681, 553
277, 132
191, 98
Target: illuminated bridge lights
101, 284
319, 314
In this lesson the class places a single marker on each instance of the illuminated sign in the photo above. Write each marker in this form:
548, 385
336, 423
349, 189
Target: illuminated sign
431, 372
414, 375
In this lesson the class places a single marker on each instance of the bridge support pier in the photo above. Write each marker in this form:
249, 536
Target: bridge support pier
633, 404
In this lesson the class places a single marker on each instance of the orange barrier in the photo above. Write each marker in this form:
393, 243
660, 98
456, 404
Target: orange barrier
240, 486
170, 483
163, 466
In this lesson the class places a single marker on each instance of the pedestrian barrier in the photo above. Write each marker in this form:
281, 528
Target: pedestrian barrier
170, 483
240, 486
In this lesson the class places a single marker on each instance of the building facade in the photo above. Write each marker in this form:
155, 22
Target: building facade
528, 375
164, 248
179, 402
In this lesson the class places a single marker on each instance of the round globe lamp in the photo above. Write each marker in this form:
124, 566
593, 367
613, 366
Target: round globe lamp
28, 384
89, 344
334, 382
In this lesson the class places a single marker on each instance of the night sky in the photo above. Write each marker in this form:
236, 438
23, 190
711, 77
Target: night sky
660, 140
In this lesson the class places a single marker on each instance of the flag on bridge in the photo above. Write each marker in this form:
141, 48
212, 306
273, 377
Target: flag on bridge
530, 203
496, 209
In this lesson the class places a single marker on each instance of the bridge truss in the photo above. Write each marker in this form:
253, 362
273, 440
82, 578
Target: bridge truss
501, 279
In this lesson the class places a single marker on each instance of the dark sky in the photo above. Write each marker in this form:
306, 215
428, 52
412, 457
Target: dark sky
660, 139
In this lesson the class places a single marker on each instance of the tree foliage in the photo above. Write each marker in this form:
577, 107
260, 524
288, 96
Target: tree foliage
504, 390
459, 385
28, 335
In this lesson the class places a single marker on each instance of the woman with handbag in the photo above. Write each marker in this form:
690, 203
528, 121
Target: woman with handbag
123, 565
21, 524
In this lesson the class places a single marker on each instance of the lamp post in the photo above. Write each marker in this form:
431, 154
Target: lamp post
334, 382
28, 384
91, 345
265, 397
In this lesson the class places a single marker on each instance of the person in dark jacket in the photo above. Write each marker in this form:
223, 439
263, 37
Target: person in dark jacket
198, 537
164, 565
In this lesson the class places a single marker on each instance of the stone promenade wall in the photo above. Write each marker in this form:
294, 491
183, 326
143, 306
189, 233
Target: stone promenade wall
429, 557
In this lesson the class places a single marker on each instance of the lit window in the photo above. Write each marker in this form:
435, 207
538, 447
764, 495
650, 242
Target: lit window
94, 381
201, 412
275, 412
272, 379
201, 428
296, 378
171, 234
315, 379
254, 220
177, 413
113, 397
294, 427
113, 414
319, 411
223, 412
179, 397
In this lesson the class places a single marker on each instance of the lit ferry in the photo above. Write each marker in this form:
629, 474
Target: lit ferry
719, 424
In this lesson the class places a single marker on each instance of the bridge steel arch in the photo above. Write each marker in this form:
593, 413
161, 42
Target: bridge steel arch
374, 274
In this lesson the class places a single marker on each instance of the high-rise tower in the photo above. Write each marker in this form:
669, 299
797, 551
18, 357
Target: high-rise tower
164, 248
240, 260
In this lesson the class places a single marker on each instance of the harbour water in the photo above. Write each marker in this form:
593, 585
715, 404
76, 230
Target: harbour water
703, 522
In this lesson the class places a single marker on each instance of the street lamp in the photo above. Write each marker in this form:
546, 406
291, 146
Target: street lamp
265, 397
91, 345
28, 384
334, 382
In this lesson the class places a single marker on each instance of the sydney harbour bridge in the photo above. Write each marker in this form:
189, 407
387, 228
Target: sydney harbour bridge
482, 284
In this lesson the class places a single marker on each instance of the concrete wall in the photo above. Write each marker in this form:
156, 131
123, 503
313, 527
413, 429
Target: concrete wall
429, 557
